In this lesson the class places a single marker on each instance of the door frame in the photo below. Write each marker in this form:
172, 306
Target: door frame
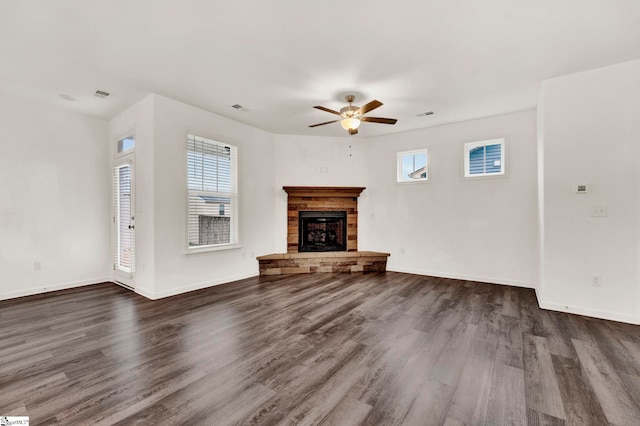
125, 278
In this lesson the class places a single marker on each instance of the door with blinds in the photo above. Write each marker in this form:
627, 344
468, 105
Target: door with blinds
124, 223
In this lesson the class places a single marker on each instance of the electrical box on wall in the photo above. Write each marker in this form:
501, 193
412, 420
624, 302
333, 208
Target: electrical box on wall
581, 189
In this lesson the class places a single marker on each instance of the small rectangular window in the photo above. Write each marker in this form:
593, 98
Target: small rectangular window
126, 144
212, 193
413, 166
485, 158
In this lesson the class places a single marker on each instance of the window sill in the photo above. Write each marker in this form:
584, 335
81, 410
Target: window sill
487, 176
413, 182
207, 249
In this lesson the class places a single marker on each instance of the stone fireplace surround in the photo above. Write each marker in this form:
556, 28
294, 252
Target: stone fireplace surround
322, 198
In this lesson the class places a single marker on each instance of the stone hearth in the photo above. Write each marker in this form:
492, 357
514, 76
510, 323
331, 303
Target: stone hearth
308, 263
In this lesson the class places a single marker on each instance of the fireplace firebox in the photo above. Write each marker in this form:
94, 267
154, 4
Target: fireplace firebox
322, 231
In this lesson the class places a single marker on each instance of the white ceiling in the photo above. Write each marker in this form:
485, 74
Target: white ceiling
462, 59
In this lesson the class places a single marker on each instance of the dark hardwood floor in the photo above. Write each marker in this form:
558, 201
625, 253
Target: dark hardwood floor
330, 349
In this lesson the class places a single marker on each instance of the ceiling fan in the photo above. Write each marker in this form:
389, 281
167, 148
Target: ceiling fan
353, 115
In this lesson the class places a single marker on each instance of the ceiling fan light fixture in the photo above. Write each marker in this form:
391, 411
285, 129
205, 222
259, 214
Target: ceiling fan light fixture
351, 116
350, 123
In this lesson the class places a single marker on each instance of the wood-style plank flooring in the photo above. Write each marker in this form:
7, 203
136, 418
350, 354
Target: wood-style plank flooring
329, 349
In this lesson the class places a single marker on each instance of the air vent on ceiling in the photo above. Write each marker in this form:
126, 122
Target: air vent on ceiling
424, 114
240, 107
101, 94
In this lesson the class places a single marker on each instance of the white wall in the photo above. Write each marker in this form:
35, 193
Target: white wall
176, 271
591, 135
316, 161
54, 199
482, 229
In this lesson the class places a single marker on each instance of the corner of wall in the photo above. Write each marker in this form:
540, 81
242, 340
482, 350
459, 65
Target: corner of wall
540, 189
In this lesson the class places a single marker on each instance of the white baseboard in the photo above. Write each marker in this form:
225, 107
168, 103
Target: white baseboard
552, 306
191, 287
580, 310
54, 287
145, 293
490, 280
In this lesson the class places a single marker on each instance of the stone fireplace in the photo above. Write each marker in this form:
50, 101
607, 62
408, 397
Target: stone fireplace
322, 234
322, 199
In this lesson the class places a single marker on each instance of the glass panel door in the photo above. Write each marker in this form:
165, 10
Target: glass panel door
124, 221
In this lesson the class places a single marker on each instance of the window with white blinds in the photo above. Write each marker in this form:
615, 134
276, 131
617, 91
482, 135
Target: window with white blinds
123, 218
484, 158
212, 188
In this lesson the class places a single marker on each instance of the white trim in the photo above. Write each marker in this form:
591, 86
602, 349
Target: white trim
580, 310
193, 287
468, 146
217, 247
145, 293
488, 280
53, 287
399, 156
124, 160
130, 133
235, 196
552, 306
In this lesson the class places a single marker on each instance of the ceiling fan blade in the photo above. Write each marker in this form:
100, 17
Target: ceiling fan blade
327, 110
379, 120
353, 131
369, 107
322, 124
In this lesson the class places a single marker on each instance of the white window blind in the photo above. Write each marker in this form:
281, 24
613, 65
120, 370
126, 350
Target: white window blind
484, 158
212, 188
123, 218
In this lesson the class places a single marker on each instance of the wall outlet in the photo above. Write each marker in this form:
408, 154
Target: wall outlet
596, 281
599, 211
402, 250
37, 265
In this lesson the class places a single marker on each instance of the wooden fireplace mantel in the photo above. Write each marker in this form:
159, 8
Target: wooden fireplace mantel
324, 191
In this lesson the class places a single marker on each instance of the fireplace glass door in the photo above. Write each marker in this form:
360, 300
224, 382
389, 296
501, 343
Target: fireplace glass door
322, 231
